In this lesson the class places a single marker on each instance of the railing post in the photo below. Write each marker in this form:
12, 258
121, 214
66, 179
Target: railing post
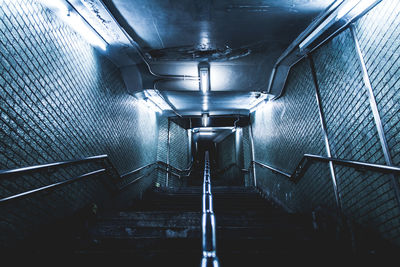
209, 243
377, 118
325, 135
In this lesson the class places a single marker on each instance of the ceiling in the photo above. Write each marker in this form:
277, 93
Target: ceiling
241, 40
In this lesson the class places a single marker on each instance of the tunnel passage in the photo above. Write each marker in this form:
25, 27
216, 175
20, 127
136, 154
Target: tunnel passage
106, 112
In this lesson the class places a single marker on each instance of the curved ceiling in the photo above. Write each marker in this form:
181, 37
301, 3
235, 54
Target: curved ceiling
240, 39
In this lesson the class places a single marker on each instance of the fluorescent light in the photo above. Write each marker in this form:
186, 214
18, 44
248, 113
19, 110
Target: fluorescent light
354, 6
85, 30
154, 96
206, 129
69, 15
150, 105
206, 133
205, 103
204, 80
205, 119
318, 31
55, 5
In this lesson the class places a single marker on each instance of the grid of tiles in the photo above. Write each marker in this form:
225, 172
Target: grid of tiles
247, 156
378, 33
367, 197
178, 151
227, 162
61, 100
286, 129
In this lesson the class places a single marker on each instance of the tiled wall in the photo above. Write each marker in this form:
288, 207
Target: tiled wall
178, 151
59, 100
284, 130
287, 128
229, 160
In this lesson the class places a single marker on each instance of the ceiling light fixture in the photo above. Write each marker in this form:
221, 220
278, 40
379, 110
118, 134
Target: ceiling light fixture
205, 103
343, 8
206, 133
70, 16
205, 119
355, 7
155, 97
204, 73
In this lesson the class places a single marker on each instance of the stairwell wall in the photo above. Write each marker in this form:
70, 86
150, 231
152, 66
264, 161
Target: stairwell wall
61, 99
289, 127
230, 160
173, 148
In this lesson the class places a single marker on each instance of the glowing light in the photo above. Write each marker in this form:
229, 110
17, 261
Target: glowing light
86, 31
354, 6
150, 105
56, 5
206, 133
205, 119
156, 99
205, 103
204, 81
73, 19
206, 129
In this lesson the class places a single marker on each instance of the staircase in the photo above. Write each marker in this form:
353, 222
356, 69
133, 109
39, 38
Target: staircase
165, 228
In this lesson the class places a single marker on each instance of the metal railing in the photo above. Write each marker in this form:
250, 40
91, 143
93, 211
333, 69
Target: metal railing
309, 159
108, 168
209, 238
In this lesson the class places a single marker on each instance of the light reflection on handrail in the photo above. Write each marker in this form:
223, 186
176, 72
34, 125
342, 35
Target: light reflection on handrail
209, 240
308, 159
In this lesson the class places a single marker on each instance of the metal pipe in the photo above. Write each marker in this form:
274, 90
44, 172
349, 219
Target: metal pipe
377, 117
325, 136
209, 239
173, 108
308, 31
141, 54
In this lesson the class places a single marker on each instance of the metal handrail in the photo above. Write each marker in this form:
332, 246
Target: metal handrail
179, 170
309, 159
137, 170
169, 168
29, 169
52, 186
50, 165
209, 236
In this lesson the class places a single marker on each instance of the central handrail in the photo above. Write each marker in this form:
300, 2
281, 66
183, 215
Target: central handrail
309, 159
209, 238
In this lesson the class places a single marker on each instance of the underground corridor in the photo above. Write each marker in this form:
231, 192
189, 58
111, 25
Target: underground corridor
200, 133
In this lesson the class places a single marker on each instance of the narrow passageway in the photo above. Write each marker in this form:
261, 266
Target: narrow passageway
211, 133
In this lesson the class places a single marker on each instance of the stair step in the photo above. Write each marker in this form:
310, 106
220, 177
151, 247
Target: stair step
167, 223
